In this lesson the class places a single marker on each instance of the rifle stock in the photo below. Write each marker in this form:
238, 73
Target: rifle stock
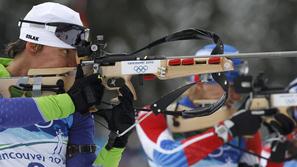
114, 76
39, 82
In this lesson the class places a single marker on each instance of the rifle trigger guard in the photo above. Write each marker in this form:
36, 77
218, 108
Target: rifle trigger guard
115, 82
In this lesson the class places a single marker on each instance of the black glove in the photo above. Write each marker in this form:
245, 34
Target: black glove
283, 151
282, 124
86, 91
279, 151
244, 123
119, 118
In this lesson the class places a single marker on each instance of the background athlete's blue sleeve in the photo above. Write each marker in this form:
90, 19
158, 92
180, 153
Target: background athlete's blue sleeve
19, 112
82, 132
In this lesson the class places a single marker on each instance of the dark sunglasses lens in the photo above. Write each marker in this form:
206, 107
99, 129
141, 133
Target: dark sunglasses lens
69, 33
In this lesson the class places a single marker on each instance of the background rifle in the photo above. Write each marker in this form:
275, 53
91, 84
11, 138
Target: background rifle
263, 97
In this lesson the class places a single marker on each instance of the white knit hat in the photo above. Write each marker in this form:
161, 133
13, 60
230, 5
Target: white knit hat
47, 13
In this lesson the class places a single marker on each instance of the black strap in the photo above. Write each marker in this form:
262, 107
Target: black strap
73, 149
102, 57
187, 34
220, 78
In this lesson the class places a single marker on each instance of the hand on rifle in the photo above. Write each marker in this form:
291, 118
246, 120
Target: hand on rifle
246, 122
283, 151
120, 118
86, 91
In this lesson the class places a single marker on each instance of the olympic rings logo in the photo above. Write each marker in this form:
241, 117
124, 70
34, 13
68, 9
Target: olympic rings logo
140, 69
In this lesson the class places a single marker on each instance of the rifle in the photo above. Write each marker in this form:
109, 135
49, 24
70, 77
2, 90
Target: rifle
263, 97
116, 69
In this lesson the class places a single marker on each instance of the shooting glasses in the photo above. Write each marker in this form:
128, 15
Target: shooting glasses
71, 34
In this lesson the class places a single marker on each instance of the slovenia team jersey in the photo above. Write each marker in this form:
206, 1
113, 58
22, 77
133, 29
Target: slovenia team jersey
31, 136
39, 145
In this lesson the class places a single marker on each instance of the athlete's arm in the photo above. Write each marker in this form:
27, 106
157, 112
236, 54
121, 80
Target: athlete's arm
81, 133
154, 135
253, 144
19, 112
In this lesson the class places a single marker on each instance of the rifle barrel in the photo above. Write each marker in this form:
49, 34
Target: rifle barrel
279, 54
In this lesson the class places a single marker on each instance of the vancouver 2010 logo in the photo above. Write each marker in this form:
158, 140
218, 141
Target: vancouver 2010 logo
141, 68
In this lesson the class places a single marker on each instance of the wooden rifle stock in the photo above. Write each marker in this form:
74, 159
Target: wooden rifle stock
115, 75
